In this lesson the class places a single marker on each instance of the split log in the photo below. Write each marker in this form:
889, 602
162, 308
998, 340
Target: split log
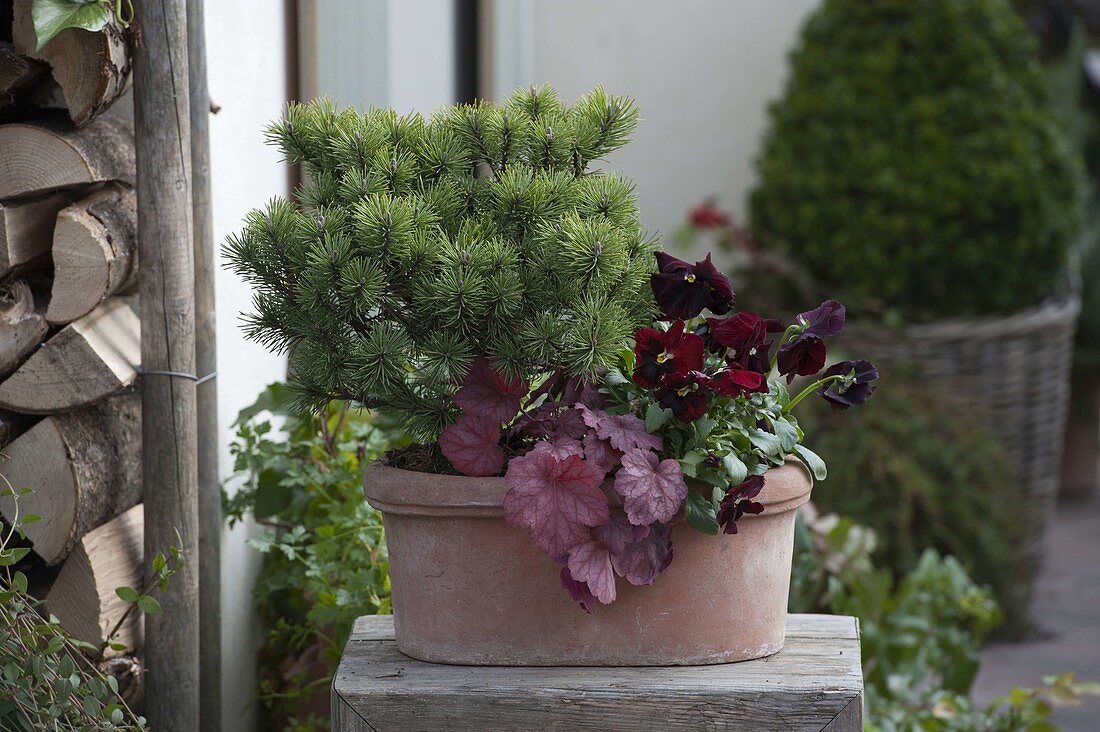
94, 252
92, 69
83, 595
86, 361
18, 74
26, 228
83, 468
46, 156
22, 326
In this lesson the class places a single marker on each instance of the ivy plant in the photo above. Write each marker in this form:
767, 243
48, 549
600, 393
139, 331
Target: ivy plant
300, 478
50, 17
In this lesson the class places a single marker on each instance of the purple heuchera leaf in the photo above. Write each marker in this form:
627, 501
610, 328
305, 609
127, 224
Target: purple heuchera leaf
558, 500
643, 560
626, 432
590, 563
472, 444
652, 489
488, 394
561, 448
600, 452
618, 532
578, 590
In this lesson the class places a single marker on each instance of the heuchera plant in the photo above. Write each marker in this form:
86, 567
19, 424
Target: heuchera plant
689, 421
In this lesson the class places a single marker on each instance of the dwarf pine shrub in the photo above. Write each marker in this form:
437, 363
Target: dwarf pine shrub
417, 244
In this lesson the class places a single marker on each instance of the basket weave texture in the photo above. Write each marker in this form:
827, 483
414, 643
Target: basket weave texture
1015, 371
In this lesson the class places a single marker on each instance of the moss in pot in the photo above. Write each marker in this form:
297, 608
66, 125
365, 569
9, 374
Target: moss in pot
578, 416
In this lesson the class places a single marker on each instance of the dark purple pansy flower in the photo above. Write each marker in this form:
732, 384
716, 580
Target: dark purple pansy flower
745, 334
685, 395
672, 352
854, 388
683, 290
804, 356
827, 319
738, 502
735, 382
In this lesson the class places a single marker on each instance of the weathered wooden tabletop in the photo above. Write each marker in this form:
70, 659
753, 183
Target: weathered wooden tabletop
814, 683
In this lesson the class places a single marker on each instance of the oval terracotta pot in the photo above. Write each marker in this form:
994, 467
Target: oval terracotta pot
470, 589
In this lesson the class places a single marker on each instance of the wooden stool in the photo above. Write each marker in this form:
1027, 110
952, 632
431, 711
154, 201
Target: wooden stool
814, 683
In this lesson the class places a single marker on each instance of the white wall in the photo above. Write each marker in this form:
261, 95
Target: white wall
246, 58
702, 72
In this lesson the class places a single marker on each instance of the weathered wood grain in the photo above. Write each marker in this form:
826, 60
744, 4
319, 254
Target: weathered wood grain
814, 683
162, 118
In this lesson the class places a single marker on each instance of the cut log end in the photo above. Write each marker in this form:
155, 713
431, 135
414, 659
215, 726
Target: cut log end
26, 228
87, 361
94, 252
92, 69
22, 326
82, 468
44, 157
83, 596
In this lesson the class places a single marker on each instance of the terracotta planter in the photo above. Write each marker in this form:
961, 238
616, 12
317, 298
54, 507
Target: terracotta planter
469, 589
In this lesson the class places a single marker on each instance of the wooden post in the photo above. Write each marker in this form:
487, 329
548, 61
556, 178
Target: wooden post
206, 360
167, 286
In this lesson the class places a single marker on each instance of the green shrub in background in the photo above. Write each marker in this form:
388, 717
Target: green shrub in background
913, 164
923, 475
325, 560
920, 634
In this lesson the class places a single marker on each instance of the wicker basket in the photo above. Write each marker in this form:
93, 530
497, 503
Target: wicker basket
1016, 371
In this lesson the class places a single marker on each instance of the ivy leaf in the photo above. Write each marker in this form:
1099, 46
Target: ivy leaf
652, 489
488, 394
643, 560
557, 500
590, 563
53, 16
471, 443
127, 594
272, 494
813, 461
700, 514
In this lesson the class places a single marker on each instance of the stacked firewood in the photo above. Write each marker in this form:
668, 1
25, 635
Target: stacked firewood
70, 425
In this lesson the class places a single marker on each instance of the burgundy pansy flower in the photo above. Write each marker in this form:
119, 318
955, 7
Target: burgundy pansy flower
672, 352
738, 502
708, 216
803, 356
854, 388
683, 290
685, 394
735, 382
827, 319
741, 331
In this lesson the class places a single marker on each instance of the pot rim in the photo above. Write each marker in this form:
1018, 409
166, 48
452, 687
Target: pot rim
396, 491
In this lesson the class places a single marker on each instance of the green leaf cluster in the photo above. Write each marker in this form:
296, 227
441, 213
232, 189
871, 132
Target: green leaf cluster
49, 680
417, 244
325, 562
723, 447
914, 154
924, 475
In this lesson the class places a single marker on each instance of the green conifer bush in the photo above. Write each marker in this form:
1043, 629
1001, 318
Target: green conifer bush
417, 244
914, 162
